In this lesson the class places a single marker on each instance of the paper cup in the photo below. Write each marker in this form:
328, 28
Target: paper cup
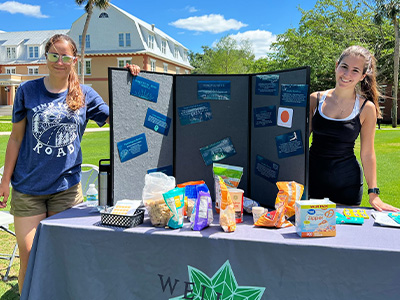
258, 211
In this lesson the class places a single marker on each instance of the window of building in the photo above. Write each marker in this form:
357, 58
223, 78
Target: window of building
186, 71
176, 52
165, 68
103, 15
185, 55
127, 39
33, 70
123, 61
88, 67
164, 46
11, 70
124, 39
11, 53
178, 70
33, 52
150, 41
152, 65
87, 41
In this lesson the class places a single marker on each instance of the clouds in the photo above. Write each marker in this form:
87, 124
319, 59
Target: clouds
213, 23
260, 39
14, 7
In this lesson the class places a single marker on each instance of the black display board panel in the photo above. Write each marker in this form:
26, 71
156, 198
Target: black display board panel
293, 168
230, 118
181, 148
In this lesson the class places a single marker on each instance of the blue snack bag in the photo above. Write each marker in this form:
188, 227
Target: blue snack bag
175, 202
202, 214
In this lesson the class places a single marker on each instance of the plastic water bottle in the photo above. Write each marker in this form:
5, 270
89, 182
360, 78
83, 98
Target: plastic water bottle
92, 196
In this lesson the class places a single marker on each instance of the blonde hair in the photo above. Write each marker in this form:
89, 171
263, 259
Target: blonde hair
368, 87
75, 98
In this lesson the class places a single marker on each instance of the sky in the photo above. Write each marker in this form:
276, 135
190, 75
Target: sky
193, 23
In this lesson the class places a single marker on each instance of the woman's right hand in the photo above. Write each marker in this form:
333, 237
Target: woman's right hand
4, 192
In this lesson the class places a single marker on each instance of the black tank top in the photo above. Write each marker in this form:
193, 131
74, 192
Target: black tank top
334, 138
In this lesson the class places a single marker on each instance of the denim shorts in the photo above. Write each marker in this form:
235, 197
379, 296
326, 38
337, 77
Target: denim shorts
23, 205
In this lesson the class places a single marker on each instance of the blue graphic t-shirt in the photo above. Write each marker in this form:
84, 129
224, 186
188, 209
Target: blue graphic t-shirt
50, 157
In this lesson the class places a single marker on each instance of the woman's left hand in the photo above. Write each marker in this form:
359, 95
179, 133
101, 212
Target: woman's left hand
135, 70
379, 205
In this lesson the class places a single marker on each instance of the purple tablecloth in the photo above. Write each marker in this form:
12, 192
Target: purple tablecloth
74, 258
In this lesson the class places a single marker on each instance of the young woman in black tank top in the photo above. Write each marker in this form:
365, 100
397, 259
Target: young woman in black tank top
337, 117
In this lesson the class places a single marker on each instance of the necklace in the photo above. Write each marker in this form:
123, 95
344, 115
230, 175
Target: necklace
341, 109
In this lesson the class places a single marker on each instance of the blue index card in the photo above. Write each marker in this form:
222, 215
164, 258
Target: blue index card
289, 144
265, 116
267, 85
266, 169
217, 151
294, 95
214, 90
132, 147
196, 113
145, 88
167, 170
157, 122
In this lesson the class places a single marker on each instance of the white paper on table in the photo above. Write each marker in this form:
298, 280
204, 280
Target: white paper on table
383, 219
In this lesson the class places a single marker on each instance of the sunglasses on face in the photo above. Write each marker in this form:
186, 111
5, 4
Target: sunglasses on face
54, 57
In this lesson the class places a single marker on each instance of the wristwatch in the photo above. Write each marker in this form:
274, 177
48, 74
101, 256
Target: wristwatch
374, 190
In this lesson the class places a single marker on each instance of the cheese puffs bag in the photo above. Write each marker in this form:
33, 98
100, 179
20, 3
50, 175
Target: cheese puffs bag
227, 209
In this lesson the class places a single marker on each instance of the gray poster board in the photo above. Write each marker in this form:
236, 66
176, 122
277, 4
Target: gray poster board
230, 117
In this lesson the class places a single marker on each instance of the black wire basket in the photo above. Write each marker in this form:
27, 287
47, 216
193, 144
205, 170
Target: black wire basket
121, 220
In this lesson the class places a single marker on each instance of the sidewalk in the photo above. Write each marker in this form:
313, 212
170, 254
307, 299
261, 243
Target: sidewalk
6, 110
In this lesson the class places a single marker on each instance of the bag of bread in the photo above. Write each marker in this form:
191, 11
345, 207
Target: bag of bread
227, 209
289, 193
155, 185
274, 218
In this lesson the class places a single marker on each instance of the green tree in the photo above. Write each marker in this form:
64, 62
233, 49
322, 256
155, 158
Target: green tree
102, 4
323, 33
228, 56
391, 9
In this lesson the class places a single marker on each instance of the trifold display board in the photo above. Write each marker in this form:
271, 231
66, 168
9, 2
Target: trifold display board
182, 124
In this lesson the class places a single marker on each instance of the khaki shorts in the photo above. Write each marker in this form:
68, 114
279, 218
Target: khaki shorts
23, 205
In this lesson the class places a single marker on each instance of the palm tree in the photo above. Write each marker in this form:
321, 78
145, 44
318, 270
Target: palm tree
391, 10
102, 4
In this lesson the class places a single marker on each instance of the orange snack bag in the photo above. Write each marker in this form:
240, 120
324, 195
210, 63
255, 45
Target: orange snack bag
274, 218
227, 210
289, 193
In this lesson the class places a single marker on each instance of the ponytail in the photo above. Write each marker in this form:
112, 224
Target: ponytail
75, 98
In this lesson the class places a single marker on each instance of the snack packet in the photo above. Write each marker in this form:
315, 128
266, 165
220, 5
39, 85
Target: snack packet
175, 202
231, 176
202, 215
227, 212
289, 193
274, 218
190, 195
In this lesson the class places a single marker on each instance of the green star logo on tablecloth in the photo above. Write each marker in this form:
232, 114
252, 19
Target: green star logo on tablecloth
222, 286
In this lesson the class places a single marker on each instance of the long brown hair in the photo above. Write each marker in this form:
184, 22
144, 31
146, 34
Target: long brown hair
368, 87
75, 98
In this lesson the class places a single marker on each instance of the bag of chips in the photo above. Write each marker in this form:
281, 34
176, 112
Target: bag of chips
290, 191
190, 195
227, 210
175, 202
202, 215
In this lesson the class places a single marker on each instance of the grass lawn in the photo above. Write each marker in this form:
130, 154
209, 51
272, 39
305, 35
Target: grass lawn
95, 146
